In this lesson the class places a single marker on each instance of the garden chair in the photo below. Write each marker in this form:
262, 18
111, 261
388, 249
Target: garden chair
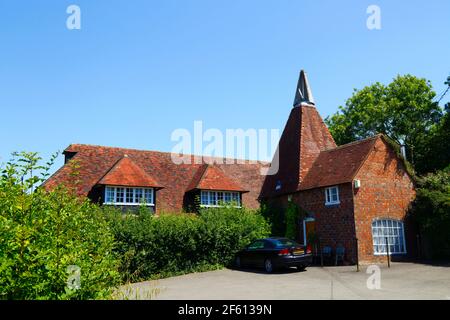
340, 252
326, 253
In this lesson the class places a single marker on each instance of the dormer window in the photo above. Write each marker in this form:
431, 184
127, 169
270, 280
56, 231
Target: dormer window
129, 196
219, 198
332, 196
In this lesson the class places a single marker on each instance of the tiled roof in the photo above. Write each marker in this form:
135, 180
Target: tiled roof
210, 177
338, 165
332, 167
304, 137
126, 173
92, 163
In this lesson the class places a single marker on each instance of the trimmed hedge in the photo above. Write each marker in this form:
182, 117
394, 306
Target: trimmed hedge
153, 247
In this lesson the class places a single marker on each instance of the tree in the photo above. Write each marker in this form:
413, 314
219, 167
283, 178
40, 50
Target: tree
431, 210
404, 110
434, 154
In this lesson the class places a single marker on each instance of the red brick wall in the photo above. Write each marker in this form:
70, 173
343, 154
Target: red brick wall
334, 224
386, 192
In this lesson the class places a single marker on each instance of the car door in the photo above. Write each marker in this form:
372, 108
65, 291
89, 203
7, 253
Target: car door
264, 252
252, 253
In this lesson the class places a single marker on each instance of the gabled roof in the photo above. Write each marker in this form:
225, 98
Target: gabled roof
210, 177
338, 165
94, 162
126, 173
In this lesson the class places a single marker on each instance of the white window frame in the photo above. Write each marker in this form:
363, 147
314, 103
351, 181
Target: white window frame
136, 200
380, 240
328, 196
212, 197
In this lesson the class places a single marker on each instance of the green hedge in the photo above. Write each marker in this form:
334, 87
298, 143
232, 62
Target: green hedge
46, 236
153, 247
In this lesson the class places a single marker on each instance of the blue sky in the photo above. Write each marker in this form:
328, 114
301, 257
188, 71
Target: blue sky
137, 70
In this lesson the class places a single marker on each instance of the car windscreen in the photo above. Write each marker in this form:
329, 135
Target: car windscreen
285, 243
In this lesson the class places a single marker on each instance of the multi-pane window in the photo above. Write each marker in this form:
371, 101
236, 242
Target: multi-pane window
119, 195
331, 195
388, 232
109, 195
129, 196
148, 196
218, 198
139, 195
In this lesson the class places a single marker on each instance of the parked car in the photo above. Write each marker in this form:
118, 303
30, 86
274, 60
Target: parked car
272, 253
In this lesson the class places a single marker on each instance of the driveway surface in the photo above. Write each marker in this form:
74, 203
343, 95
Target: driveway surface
401, 281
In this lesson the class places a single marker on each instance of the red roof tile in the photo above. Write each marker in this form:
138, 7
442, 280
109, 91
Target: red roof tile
94, 162
338, 165
126, 173
212, 178
304, 137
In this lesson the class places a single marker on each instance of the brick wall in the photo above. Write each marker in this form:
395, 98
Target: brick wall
386, 192
334, 224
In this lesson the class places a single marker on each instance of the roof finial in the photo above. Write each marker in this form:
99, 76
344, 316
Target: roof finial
303, 95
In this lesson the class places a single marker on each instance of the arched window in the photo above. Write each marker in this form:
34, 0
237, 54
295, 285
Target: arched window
388, 231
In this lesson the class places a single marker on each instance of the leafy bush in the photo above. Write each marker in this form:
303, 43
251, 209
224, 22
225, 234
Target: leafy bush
294, 214
275, 214
432, 211
44, 233
153, 247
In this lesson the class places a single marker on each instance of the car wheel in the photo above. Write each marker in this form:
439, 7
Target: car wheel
301, 268
237, 262
268, 266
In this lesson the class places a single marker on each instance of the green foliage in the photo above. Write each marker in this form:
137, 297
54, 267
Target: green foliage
153, 247
433, 152
43, 233
404, 110
274, 214
432, 211
408, 166
293, 214
283, 221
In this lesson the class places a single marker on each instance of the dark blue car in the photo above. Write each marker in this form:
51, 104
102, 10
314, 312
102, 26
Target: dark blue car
272, 253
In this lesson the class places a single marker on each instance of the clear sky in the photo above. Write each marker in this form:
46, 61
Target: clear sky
139, 69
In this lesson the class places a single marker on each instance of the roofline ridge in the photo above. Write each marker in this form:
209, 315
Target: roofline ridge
355, 142
168, 153
109, 170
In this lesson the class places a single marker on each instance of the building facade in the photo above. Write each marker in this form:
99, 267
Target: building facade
356, 196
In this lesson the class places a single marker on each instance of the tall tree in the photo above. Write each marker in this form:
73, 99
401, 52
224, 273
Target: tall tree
434, 153
404, 110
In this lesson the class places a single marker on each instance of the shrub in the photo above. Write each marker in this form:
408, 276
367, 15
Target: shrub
432, 211
44, 233
227, 230
294, 214
275, 214
153, 247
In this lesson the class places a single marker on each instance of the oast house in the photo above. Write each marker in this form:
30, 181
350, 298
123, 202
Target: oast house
356, 195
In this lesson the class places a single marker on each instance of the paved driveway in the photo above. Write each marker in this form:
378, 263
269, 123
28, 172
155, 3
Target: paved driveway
401, 281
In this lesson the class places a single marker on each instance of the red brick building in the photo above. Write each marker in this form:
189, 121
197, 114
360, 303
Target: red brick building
128, 177
360, 190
